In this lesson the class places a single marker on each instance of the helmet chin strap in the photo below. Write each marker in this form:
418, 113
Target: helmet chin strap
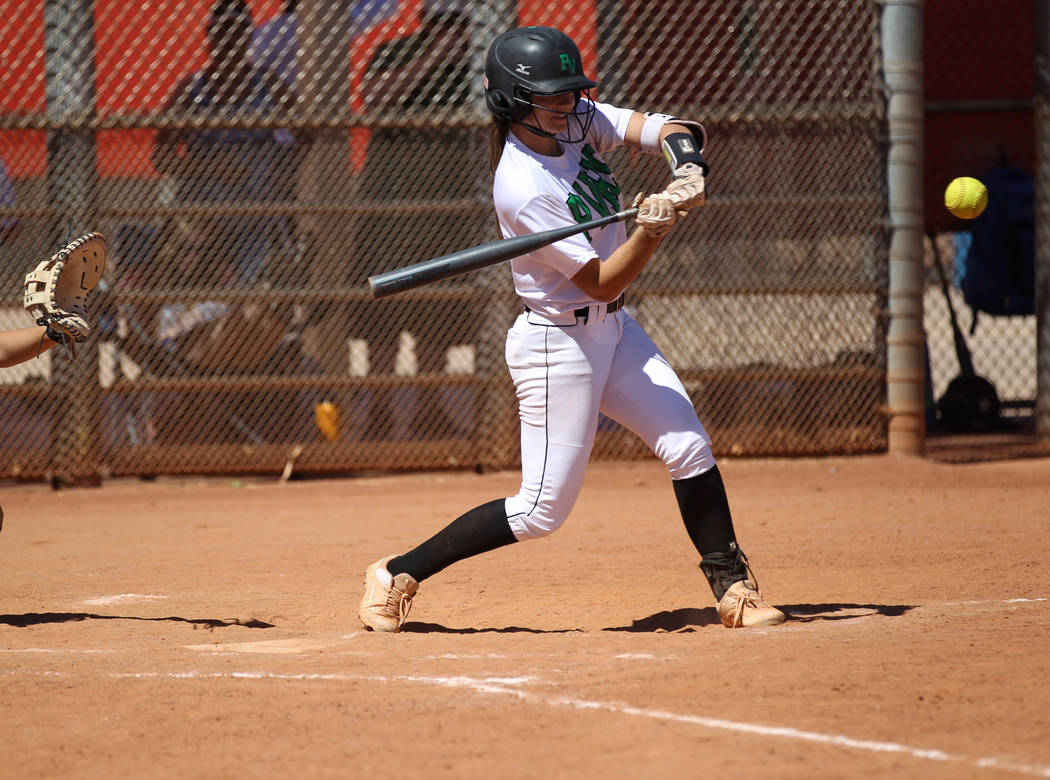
583, 124
537, 130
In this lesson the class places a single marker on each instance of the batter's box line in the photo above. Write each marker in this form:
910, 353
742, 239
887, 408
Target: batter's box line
511, 686
60, 650
504, 686
987, 602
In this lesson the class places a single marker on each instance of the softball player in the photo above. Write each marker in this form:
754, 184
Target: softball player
574, 351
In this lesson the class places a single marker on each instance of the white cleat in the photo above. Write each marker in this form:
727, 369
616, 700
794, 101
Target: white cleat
387, 599
742, 606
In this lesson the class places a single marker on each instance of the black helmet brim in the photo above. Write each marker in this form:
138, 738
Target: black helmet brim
563, 86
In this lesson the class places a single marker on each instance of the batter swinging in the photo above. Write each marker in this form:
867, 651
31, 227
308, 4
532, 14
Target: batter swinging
574, 351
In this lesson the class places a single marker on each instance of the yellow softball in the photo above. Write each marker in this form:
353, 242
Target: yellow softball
966, 197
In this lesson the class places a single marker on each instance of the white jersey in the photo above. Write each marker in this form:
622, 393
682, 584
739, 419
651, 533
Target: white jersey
533, 192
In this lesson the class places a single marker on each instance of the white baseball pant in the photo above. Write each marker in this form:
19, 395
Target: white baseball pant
565, 374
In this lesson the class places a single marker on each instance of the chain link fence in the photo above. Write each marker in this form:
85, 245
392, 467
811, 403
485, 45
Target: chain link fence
253, 164
979, 122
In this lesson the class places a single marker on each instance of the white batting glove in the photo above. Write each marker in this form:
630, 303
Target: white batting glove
656, 214
687, 192
687, 169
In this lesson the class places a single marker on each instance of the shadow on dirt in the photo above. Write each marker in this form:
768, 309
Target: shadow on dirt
437, 628
41, 618
807, 613
684, 620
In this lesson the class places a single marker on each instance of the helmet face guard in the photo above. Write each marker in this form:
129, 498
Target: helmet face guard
529, 61
577, 120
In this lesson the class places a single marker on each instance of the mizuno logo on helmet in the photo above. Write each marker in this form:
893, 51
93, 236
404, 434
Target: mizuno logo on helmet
522, 69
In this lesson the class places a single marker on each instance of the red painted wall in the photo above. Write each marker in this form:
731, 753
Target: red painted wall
141, 53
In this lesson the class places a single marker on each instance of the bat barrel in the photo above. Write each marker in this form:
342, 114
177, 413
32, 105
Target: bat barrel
478, 257
434, 270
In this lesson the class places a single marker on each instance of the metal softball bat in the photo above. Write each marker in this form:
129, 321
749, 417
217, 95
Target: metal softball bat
478, 257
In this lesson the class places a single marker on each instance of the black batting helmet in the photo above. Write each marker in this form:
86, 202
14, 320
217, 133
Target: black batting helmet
529, 61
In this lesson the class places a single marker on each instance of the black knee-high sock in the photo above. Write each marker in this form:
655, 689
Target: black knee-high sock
705, 511
480, 530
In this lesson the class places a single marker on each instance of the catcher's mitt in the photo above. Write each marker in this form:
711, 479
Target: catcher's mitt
56, 291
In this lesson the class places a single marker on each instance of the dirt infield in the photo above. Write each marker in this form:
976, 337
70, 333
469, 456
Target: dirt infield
207, 628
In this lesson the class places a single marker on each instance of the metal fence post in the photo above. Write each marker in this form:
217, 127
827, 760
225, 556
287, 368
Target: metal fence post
69, 59
499, 429
1042, 219
902, 55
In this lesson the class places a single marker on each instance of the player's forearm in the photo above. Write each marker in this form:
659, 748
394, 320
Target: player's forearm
18, 346
604, 281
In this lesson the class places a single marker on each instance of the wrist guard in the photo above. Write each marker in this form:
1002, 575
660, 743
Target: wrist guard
680, 149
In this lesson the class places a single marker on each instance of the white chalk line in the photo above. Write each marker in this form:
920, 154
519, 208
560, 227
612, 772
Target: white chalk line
510, 686
289, 646
102, 601
980, 603
461, 657
67, 650
498, 686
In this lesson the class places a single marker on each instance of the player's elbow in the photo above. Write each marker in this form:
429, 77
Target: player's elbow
596, 286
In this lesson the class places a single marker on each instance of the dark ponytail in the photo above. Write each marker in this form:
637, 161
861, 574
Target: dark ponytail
497, 138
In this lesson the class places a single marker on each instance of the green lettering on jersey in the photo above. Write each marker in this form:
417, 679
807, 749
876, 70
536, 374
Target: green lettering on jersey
601, 191
589, 160
579, 211
593, 193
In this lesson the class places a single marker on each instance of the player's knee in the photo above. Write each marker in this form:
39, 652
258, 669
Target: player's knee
534, 521
686, 453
